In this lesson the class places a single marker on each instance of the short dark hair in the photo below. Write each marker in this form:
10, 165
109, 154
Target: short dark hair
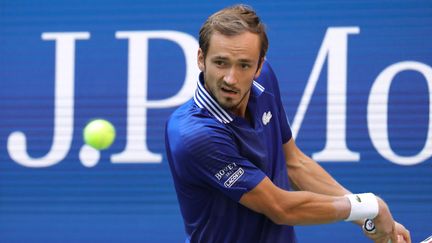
232, 21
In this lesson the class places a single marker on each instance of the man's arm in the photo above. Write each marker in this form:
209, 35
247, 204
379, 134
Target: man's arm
295, 208
306, 208
307, 175
320, 201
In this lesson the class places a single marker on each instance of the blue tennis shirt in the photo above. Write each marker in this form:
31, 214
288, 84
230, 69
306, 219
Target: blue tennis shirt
215, 157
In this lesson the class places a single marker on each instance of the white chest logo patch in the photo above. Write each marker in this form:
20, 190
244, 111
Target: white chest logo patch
267, 116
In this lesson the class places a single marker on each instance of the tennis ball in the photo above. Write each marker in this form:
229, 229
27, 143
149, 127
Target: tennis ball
99, 134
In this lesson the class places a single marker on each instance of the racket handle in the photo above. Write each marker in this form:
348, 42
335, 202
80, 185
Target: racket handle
369, 226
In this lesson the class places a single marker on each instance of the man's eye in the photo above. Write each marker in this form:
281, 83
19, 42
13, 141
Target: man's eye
220, 63
245, 66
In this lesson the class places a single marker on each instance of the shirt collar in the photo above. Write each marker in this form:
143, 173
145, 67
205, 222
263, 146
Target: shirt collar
204, 100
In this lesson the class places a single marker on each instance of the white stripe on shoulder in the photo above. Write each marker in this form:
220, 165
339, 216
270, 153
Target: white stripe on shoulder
211, 102
259, 86
198, 102
211, 108
217, 117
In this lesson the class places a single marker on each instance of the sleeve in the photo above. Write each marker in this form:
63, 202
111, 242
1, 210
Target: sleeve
269, 80
212, 159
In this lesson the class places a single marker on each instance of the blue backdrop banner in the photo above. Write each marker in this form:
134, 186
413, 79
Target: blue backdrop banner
355, 80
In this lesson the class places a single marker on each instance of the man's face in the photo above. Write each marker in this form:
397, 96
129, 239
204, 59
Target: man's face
230, 67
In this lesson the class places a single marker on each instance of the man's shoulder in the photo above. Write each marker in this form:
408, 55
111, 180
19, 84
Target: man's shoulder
190, 121
268, 80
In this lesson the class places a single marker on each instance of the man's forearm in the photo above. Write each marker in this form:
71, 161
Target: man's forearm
307, 175
295, 208
315, 209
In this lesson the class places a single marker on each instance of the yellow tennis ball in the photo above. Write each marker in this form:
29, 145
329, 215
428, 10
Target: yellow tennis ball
99, 134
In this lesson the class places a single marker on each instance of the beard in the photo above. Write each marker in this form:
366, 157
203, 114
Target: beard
227, 103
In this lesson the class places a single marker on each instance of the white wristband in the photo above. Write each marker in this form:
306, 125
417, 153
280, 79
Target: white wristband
363, 206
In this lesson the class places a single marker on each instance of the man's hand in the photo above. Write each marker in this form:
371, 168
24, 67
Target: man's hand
384, 224
388, 230
402, 233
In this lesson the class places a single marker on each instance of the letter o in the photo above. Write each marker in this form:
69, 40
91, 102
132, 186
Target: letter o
377, 108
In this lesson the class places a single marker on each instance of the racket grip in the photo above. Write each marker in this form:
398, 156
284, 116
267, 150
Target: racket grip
369, 226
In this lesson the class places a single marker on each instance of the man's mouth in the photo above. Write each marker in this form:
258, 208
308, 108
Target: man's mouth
228, 90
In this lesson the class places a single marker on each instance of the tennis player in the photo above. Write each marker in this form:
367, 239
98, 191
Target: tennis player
233, 158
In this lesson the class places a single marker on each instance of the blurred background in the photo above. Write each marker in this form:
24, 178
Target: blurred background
355, 79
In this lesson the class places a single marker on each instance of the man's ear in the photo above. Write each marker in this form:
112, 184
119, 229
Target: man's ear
201, 60
258, 72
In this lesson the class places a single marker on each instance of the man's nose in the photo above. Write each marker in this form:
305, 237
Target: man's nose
231, 77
